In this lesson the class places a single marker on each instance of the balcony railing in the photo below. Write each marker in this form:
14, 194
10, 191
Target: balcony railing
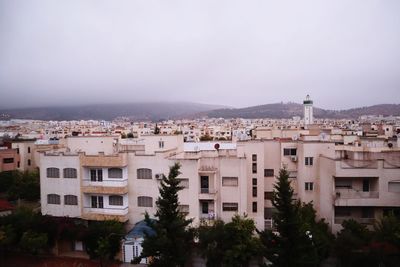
207, 191
101, 214
355, 194
108, 182
123, 210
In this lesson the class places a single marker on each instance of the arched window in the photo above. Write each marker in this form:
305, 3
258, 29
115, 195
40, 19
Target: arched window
144, 173
53, 199
116, 200
70, 173
70, 200
145, 201
53, 172
115, 173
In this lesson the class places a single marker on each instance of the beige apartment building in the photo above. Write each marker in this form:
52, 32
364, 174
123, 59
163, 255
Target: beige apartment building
104, 177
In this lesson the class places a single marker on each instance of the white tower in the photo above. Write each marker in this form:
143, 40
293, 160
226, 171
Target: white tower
308, 111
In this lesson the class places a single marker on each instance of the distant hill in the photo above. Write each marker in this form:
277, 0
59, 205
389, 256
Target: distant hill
166, 110
288, 110
136, 111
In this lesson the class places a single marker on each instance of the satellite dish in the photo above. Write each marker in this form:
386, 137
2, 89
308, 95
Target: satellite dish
216, 146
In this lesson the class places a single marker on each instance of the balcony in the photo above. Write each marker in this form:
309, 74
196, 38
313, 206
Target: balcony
101, 160
354, 194
358, 164
351, 197
112, 187
119, 214
207, 194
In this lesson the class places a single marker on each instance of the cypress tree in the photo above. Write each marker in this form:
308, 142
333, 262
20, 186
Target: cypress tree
293, 247
171, 243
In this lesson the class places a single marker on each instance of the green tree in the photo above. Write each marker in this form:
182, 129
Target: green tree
101, 236
384, 249
24, 185
171, 243
7, 180
33, 242
231, 244
129, 135
293, 246
318, 231
351, 242
123, 135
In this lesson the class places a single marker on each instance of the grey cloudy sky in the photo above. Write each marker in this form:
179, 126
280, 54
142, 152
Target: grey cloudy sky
344, 53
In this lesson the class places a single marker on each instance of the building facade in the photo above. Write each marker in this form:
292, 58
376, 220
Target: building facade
104, 177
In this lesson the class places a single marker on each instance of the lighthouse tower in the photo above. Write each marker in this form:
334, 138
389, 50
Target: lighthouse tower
308, 111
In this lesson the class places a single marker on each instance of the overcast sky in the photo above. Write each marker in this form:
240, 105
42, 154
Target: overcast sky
237, 53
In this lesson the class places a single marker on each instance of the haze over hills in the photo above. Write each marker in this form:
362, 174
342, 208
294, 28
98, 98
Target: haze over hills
288, 110
170, 110
136, 111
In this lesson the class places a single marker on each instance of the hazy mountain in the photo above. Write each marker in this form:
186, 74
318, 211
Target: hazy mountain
167, 110
288, 110
136, 111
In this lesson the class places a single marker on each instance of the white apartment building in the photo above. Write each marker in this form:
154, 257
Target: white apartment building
98, 178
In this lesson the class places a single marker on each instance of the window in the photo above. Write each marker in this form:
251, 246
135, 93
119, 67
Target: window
53, 173
29, 149
342, 212
115, 200
254, 207
97, 202
394, 186
346, 184
144, 173
309, 161
268, 172
268, 213
254, 182
268, 195
290, 151
367, 212
8, 160
204, 207
18, 164
53, 199
230, 181
17, 150
254, 157
254, 167
145, 202
184, 182
230, 206
160, 144
70, 173
309, 186
29, 162
70, 200
204, 184
365, 185
96, 175
115, 173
